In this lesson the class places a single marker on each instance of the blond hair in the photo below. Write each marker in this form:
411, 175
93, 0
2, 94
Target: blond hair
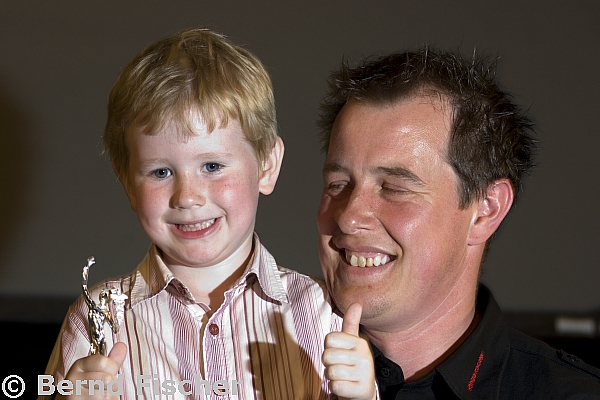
193, 70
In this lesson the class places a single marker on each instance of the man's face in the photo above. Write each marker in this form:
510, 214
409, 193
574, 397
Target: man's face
392, 236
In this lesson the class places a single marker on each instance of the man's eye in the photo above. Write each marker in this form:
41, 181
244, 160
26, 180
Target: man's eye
212, 167
394, 190
338, 188
162, 173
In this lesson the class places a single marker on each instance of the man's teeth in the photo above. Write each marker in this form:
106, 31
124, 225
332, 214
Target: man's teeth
359, 261
196, 227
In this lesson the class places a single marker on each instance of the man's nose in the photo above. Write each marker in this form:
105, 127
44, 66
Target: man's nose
189, 192
357, 213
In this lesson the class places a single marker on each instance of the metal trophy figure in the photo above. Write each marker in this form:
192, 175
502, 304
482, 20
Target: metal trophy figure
100, 314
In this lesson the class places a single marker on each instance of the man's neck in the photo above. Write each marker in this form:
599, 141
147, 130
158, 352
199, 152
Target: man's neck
419, 349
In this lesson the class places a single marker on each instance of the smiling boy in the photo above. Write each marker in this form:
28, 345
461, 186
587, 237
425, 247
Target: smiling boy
192, 136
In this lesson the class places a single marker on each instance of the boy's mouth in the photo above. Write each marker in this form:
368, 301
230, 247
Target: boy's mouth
360, 261
197, 226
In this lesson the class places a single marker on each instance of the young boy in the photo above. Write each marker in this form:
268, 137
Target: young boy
192, 136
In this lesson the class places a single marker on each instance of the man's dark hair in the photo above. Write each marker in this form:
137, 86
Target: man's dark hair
490, 138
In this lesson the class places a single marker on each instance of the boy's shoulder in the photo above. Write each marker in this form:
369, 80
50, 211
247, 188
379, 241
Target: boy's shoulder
120, 282
291, 278
300, 278
300, 286
299, 275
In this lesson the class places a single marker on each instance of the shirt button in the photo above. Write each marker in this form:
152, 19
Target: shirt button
213, 329
385, 372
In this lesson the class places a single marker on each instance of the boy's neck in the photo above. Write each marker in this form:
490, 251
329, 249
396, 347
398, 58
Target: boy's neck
209, 284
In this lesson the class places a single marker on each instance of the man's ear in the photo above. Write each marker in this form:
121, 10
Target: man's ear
126, 185
491, 210
271, 167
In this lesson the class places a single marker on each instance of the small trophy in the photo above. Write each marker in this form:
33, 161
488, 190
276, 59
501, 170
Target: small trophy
100, 314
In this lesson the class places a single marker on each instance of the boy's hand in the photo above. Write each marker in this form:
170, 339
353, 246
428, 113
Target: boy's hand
348, 360
96, 367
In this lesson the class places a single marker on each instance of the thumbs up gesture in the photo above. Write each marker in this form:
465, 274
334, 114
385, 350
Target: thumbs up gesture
96, 367
348, 360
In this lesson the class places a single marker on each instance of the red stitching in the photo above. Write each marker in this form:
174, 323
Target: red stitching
474, 376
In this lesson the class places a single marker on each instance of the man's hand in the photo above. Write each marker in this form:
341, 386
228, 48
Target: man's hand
96, 367
348, 360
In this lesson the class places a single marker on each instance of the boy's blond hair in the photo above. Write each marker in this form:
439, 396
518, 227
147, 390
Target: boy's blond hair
196, 69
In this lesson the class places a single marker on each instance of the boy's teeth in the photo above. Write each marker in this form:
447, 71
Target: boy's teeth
197, 227
359, 261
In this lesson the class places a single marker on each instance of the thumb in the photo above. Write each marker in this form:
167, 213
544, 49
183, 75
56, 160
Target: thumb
117, 354
352, 319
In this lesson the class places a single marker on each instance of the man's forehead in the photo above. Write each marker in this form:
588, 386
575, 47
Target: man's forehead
427, 117
394, 140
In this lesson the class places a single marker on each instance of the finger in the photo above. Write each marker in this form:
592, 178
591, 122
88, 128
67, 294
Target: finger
117, 355
351, 390
351, 321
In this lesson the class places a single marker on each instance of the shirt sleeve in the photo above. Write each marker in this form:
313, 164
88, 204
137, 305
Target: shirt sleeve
72, 342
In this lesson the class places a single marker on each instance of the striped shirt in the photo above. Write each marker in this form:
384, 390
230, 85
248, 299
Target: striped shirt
264, 342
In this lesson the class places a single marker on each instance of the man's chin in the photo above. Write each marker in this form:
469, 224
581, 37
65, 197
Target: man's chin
372, 306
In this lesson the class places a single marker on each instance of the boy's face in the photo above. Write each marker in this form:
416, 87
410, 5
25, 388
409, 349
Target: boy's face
196, 198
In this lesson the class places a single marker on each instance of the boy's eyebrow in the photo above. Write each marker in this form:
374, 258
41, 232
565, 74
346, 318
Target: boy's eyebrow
151, 162
395, 171
206, 156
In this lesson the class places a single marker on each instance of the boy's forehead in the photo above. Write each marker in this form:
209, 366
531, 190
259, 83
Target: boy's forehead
183, 131
189, 123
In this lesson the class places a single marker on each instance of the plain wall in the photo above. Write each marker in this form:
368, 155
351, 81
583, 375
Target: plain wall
60, 201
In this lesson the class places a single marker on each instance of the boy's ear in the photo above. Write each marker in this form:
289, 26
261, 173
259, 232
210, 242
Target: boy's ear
271, 167
491, 210
125, 182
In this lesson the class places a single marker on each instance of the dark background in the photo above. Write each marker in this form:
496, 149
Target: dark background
61, 203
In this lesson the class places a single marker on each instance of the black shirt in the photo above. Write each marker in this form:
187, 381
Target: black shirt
495, 362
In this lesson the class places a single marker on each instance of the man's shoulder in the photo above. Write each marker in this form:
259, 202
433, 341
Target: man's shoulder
554, 373
529, 347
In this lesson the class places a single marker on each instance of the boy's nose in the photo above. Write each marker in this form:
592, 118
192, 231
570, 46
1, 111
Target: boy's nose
188, 194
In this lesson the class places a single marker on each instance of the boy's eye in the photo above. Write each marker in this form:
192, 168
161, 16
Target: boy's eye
162, 173
212, 167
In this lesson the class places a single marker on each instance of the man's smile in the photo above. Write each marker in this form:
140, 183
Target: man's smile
358, 260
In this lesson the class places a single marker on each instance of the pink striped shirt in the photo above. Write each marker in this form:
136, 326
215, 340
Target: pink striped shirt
264, 342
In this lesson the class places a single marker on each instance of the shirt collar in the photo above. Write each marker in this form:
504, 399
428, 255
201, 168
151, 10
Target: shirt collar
152, 276
474, 370
263, 266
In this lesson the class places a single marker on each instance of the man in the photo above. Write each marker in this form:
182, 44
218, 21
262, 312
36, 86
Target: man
425, 156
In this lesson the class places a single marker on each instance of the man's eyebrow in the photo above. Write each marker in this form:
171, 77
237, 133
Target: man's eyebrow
400, 172
331, 168
396, 171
